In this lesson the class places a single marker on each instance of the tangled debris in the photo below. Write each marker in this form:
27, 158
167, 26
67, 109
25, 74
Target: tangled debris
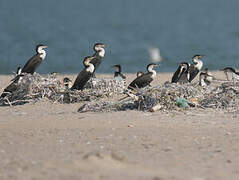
166, 97
99, 95
32, 88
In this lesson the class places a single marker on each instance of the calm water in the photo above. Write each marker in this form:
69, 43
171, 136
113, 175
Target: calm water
128, 28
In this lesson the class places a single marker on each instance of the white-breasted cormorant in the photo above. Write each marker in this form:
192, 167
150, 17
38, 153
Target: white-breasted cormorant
98, 55
144, 79
195, 68
84, 75
35, 61
181, 75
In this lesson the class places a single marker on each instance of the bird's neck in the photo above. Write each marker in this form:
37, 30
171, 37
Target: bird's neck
90, 68
42, 53
101, 52
150, 69
198, 64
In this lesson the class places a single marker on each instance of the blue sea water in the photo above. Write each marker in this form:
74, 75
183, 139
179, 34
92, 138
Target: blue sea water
179, 28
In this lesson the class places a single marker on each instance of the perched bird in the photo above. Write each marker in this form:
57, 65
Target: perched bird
33, 63
234, 74
144, 79
84, 75
195, 67
118, 73
14, 83
98, 55
181, 75
67, 82
139, 73
205, 78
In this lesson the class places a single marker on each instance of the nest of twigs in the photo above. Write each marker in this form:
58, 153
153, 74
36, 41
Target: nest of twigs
99, 95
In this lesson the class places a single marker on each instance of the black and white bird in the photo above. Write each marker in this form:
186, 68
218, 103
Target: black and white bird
14, 83
67, 82
144, 79
118, 74
98, 55
181, 75
195, 68
33, 63
84, 75
234, 73
205, 78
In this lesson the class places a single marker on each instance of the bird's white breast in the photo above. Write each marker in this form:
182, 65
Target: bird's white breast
101, 52
42, 53
91, 68
198, 64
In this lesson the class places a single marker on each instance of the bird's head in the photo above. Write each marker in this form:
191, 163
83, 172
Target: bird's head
117, 67
19, 71
66, 80
184, 65
99, 47
87, 60
197, 57
40, 47
152, 65
139, 73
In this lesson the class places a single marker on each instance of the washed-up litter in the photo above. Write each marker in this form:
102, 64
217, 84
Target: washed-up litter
112, 95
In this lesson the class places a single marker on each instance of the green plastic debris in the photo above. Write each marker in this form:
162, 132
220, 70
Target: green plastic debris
181, 102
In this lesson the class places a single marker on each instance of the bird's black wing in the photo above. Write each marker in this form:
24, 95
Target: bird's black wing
141, 81
9, 89
123, 76
193, 72
81, 80
176, 75
184, 77
32, 64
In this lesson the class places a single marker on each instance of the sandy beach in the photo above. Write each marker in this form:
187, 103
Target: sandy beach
52, 141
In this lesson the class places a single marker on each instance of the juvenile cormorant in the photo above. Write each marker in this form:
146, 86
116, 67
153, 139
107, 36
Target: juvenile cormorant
35, 61
181, 75
195, 67
118, 73
144, 79
84, 75
67, 82
205, 78
235, 75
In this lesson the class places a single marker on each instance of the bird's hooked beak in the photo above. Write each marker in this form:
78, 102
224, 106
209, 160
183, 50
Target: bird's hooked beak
89, 59
43, 47
201, 56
